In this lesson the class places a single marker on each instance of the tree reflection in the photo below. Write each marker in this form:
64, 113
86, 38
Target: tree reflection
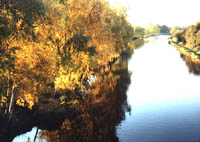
138, 43
193, 66
100, 112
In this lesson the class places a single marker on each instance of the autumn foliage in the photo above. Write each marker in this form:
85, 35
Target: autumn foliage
188, 37
50, 46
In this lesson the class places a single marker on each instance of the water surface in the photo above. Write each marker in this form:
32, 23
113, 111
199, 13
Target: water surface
164, 96
163, 92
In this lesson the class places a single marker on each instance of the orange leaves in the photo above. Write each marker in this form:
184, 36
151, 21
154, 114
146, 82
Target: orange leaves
70, 77
66, 80
62, 46
104, 85
90, 17
18, 24
27, 100
3, 101
35, 67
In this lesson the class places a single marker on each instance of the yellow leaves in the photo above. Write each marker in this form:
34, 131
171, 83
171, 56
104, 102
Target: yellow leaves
52, 25
26, 101
36, 57
30, 100
35, 68
80, 58
36, 29
57, 35
106, 53
3, 100
18, 24
56, 55
20, 102
70, 77
4, 11
67, 80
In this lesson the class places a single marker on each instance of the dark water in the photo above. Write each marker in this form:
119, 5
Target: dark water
164, 96
163, 91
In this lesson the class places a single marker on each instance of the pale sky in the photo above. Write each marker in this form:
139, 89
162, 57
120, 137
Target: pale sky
168, 12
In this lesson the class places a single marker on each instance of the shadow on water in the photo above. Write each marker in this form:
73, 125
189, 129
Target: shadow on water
100, 113
193, 67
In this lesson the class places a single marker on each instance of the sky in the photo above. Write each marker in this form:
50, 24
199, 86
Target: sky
162, 12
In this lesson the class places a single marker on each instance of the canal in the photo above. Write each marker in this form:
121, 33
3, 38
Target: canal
162, 102
164, 96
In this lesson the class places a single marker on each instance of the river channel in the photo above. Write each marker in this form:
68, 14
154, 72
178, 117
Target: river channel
163, 98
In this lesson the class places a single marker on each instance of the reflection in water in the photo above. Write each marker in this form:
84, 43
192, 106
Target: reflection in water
100, 113
138, 43
193, 67
163, 95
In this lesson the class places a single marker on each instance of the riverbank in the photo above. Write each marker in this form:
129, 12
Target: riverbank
194, 55
49, 113
163, 94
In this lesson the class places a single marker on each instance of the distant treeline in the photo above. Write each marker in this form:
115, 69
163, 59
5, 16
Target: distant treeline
150, 30
188, 37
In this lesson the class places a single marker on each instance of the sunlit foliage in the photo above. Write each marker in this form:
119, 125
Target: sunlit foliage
50, 46
152, 30
100, 112
189, 37
192, 36
178, 34
139, 31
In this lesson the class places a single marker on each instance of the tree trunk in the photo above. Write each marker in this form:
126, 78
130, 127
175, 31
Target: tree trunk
11, 99
7, 93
